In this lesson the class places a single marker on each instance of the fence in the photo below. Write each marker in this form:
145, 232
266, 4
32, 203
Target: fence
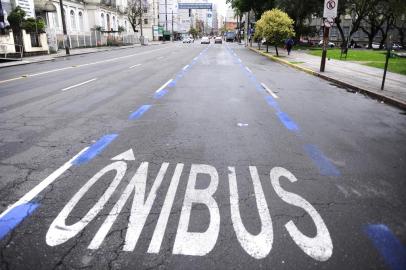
92, 39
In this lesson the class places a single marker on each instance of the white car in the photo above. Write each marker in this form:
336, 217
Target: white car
188, 40
205, 40
330, 44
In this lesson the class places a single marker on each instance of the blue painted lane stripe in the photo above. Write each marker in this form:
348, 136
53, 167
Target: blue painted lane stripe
287, 121
95, 149
321, 161
390, 248
15, 217
138, 113
160, 94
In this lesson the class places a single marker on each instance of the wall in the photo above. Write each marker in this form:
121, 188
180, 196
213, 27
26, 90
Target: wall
27, 43
7, 43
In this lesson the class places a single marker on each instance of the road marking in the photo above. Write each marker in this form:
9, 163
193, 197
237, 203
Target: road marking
319, 247
160, 94
388, 245
321, 161
138, 113
258, 246
137, 65
164, 85
162, 222
15, 217
249, 70
287, 121
83, 65
59, 232
127, 155
242, 125
198, 243
95, 149
239, 60
269, 90
79, 84
196, 58
185, 67
161, 57
14, 214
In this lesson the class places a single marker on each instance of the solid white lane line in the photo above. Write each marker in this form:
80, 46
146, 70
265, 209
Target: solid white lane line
79, 84
43, 184
185, 67
137, 65
269, 90
163, 86
249, 70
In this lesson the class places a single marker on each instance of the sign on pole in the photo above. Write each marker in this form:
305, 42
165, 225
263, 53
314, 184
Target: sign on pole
330, 9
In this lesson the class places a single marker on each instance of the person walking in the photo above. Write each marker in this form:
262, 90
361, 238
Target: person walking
289, 45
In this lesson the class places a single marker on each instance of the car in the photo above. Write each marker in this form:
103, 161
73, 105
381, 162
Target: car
188, 40
205, 40
218, 40
330, 44
396, 47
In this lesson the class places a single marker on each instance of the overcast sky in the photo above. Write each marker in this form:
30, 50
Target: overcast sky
221, 6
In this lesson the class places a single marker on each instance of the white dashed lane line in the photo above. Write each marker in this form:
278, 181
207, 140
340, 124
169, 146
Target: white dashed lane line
79, 84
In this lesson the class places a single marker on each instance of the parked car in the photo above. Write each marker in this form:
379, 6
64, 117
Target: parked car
396, 47
218, 40
188, 40
330, 44
205, 40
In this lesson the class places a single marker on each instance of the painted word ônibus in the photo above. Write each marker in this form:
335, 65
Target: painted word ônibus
319, 247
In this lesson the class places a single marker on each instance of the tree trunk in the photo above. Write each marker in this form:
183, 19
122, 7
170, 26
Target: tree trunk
401, 32
276, 49
344, 40
267, 47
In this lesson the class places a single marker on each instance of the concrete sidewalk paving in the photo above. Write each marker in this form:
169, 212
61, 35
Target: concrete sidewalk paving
62, 53
346, 73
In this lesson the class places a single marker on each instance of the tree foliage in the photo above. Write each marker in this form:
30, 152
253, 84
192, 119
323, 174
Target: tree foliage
274, 26
16, 19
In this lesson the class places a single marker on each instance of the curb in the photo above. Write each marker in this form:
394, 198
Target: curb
387, 99
59, 56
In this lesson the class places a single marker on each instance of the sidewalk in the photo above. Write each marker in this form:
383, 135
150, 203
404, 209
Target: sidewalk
62, 53
346, 73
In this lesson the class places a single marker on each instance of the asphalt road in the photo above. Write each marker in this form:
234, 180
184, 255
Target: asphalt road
175, 156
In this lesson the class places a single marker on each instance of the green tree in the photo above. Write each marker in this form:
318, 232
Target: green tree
16, 19
301, 11
32, 25
275, 26
193, 32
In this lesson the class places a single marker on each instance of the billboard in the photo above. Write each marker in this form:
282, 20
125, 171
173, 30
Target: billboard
195, 5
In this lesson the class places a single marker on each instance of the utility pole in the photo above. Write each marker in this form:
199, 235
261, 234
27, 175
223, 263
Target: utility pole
172, 27
166, 15
326, 33
388, 46
141, 35
65, 33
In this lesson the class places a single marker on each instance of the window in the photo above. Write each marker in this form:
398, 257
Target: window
145, 21
145, 9
81, 25
72, 20
114, 23
334, 31
346, 30
103, 23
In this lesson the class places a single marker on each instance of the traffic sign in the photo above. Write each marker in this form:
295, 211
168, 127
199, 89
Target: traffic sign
330, 8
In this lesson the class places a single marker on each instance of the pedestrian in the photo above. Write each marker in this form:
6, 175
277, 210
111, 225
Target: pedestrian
289, 44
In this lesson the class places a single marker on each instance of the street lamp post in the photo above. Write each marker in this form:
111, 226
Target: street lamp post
141, 34
65, 33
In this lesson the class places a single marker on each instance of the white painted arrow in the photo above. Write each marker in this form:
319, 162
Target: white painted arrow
127, 155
